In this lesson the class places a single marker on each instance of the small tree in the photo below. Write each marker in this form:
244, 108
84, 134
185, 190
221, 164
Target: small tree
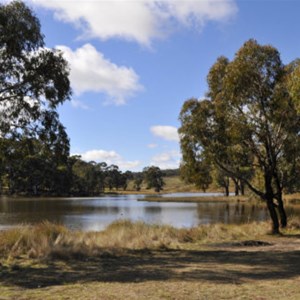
154, 178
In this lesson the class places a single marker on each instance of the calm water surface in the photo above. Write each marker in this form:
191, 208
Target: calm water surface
96, 213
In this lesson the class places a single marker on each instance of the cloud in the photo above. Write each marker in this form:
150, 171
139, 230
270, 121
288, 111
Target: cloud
168, 133
110, 157
92, 72
166, 160
152, 146
139, 20
79, 104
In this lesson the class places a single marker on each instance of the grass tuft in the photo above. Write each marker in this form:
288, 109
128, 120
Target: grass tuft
35, 241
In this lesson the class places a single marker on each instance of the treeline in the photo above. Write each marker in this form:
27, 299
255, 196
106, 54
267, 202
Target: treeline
29, 166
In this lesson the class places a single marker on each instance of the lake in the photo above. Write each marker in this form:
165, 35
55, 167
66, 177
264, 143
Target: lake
98, 212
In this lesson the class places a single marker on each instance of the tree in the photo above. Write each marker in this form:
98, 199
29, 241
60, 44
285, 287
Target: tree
197, 171
88, 178
113, 177
32, 166
33, 82
153, 177
249, 122
223, 180
33, 79
137, 182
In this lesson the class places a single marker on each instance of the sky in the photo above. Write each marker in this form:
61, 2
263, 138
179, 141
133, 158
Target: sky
133, 63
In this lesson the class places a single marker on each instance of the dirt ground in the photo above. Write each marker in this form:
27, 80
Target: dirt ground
268, 269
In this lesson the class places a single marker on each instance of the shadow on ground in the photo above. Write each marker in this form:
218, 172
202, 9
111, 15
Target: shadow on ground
140, 266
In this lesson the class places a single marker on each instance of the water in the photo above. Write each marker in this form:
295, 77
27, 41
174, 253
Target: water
96, 213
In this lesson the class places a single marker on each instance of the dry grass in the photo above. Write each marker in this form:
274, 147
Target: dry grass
50, 240
173, 184
139, 261
292, 198
196, 199
35, 241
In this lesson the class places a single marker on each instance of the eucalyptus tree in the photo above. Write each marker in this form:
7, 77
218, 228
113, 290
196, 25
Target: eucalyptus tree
249, 122
33, 82
33, 79
196, 171
153, 177
113, 177
137, 182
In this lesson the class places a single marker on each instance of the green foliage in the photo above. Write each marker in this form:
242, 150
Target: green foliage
29, 166
33, 79
137, 183
153, 177
34, 146
249, 123
197, 172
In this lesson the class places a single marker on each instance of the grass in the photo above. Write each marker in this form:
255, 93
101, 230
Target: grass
50, 240
173, 184
292, 198
196, 199
133, 260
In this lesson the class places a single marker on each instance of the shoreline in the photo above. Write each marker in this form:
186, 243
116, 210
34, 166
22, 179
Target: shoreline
197, 199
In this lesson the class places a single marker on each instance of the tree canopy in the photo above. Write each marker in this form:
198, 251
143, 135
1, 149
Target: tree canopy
33, 79
153, 177
248, 123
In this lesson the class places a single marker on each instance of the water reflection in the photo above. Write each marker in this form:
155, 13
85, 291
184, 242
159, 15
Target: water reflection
97, 213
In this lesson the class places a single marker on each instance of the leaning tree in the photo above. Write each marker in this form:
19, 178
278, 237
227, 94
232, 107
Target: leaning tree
249, 123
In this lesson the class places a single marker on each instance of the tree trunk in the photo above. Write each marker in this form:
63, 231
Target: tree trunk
242, 188
273, 215
280, 207
226, 190
226, 185
236, 191
281, 210
236, 186
269, 196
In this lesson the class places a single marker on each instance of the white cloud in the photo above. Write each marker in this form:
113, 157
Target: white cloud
168, 133
79, 104
91, 71
110, 157
152, 146
166, 160
139, 20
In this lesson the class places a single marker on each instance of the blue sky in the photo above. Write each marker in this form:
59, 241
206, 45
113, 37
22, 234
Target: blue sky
134, 62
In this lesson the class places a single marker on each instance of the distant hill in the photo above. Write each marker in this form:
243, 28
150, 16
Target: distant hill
173, 184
